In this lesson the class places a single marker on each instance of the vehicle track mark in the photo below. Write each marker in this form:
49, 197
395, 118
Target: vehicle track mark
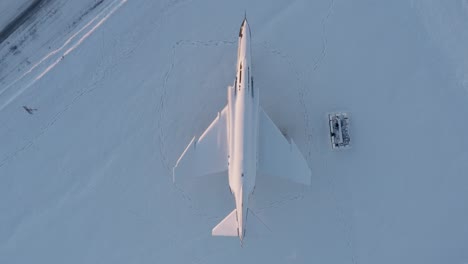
318, 61
44, 17
161, 109
161, 105
345, 222
58, 115
280, 202
301, 90
347, 225
53, 58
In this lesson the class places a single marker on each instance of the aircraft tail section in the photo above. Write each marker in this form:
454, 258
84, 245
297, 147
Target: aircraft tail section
227, 227
256, 227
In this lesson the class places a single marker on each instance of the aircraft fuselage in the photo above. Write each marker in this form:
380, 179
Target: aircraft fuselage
243, 105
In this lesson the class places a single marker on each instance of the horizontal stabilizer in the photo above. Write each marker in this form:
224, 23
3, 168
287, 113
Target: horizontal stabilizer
227, 227
256, 227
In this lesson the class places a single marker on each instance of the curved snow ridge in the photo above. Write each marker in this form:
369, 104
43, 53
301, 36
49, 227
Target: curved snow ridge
53, 58
167, 75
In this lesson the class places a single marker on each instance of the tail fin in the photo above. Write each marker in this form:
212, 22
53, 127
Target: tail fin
227, 227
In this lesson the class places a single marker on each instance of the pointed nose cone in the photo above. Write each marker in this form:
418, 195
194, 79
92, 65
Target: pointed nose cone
244, 40
244, 28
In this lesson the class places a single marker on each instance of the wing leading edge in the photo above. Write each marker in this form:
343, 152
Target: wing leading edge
278, 156
209, 153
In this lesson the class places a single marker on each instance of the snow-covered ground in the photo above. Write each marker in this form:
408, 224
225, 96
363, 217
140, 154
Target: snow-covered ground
121, 87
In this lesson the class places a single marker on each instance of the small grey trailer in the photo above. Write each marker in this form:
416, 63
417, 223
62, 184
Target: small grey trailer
339, 130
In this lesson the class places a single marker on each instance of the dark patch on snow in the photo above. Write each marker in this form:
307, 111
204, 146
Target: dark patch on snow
29, 109
21, 19
28, 19
96, 4
14, 49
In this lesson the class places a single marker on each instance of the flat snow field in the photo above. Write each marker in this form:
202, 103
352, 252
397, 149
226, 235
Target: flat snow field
121, 87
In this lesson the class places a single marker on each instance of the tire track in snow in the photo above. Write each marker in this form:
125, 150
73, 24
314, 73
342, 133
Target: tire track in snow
162, 116
323, 53
97, 78
99, 74
161, 106
280, 202
161, 110
53, 58
301, 89
78, 95
347, 226
26, 35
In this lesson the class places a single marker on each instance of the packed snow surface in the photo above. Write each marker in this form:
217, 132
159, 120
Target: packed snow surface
121, 87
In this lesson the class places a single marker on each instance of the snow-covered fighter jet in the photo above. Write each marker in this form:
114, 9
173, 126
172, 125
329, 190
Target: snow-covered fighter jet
242, 140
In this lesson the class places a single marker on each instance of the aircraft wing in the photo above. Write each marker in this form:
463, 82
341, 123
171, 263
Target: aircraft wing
209, 153
278, 156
